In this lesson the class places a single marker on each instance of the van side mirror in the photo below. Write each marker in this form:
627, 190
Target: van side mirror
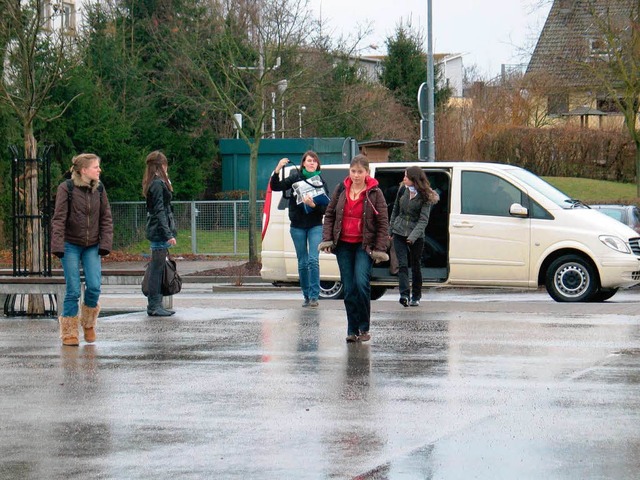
518, 210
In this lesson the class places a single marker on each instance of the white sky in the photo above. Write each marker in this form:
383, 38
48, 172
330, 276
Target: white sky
488, 32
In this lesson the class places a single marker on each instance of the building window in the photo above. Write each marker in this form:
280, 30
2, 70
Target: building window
597, 47
558, 103
45, 15
68, 16
609, 105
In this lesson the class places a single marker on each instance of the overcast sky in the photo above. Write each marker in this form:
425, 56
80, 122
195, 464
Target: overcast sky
488, 32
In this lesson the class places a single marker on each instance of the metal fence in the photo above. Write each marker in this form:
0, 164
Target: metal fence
206, 227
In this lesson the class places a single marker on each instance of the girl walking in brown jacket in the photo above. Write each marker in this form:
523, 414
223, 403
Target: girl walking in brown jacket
81, 232
355, 229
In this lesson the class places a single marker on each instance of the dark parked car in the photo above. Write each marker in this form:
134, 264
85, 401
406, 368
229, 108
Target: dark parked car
627, 214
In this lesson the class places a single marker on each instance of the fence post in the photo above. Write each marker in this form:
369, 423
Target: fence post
235, 228
194, 240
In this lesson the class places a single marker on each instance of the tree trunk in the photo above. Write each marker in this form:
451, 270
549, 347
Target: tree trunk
637, 143
34, 233
253, 198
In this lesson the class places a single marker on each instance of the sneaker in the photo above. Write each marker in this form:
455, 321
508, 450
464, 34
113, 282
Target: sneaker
313, 303
306, 302
352, 338
364, 336
404, 301
414, 303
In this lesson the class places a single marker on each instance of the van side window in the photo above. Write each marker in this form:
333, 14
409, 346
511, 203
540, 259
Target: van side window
537, 211
487, 194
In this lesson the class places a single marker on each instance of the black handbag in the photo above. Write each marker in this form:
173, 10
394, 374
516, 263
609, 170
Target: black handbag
171, 280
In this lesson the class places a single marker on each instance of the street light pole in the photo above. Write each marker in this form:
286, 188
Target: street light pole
282, 86
301, 110
431, 154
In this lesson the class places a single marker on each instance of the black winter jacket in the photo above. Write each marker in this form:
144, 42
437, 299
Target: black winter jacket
161, 225
299, 218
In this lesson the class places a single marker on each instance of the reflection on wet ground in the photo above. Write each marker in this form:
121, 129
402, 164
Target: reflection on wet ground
263, 392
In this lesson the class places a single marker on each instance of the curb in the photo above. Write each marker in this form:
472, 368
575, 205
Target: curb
231, 280
250, 287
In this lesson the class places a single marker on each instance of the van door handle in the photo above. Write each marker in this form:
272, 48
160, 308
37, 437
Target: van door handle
462, 225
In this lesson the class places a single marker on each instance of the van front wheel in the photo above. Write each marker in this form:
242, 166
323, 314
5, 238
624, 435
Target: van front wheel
571, 278
331, 290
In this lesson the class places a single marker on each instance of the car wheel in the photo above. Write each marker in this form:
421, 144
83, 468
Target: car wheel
571, 278
331, 290
603, 294
377, 292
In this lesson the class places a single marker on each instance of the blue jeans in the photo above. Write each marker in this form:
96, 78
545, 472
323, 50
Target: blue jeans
355, 273
160, 245
92, 267
306, 241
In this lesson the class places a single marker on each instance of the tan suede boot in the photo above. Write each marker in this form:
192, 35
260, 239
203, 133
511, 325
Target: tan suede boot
88, 320
69, 331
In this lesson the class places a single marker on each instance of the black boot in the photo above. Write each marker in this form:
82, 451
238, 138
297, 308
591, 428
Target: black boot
154, 306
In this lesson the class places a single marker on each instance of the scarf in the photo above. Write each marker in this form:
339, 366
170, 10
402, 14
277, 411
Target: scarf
308, 175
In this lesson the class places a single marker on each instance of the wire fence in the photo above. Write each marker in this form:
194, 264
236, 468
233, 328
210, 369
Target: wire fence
217, 227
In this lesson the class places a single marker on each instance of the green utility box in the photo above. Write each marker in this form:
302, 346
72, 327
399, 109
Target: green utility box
235, 157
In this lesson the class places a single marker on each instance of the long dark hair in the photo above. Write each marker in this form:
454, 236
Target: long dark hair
155, 163
420, 181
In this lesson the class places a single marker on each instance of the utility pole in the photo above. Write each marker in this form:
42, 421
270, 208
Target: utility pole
426, 104
431, 144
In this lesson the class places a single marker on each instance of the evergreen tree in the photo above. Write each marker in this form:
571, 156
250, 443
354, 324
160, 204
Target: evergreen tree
404, 69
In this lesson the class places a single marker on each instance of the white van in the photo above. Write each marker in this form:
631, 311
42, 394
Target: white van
535, 235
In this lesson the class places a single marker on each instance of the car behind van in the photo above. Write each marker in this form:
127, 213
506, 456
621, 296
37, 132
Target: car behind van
495, 226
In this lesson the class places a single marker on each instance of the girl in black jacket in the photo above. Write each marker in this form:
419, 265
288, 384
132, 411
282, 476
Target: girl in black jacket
409, 218
161, 227
305, 213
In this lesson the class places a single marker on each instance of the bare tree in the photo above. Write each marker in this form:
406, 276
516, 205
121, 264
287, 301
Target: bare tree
230, 60
614, 62
36, 45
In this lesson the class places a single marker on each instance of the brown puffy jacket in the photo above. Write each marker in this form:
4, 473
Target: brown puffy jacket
89, 221
375, 219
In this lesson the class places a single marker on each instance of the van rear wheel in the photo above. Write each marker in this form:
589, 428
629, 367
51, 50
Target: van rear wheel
571, 278
331, 290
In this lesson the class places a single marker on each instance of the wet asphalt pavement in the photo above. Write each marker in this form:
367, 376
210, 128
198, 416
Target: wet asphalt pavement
249, 385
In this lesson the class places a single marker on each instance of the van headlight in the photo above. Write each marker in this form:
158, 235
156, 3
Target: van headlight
614, 243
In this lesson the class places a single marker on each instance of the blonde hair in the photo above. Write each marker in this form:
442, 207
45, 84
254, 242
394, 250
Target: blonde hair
81, 161
155, 161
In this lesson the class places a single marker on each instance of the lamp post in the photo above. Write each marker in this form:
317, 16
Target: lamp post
273, 114
282, 86
301, 110
431, 154
426, 144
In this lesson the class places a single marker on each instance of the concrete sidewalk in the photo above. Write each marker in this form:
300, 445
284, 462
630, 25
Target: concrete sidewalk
185, 266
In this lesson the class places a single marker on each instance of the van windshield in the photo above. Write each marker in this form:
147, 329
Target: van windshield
546, 189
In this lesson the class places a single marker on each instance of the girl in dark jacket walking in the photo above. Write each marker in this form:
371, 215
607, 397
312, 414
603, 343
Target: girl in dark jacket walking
81, 232
306, 221
409, 218
356, 230
161, 227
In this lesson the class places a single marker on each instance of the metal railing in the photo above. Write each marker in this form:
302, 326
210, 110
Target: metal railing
217, 227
